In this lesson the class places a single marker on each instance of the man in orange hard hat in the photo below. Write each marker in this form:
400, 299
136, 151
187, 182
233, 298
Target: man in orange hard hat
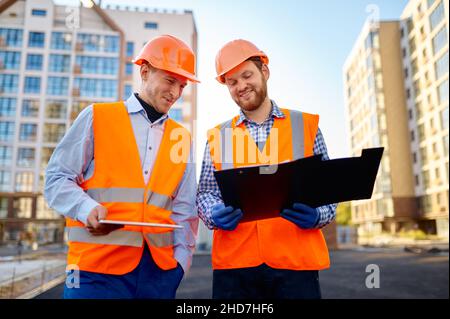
269, 258
129, 161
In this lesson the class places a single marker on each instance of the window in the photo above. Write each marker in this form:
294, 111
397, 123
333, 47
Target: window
430, 3
176, 114
3, 206
414, 157
25, 157
441, 66
24, 182
437, 15
6, 131
9, 83
426, 178
412, 45
444, 118
56, 109
36, 40
416, 177
34, 62
90, 42
59, 63
32, 85
443, 92
53, 132
111, 44
38, 13
96, 87
30, 108
98, 65
57, 85
5, 181
130, 49
9, 60
61, 41
445, 140
12, 37
417, 88
5, 155
7, 107
440, 40
406, 73
129, 68
127, 91
46, 153
421, 130
28, 132
151, 25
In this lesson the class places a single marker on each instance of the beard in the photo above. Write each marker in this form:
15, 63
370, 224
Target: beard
259, 95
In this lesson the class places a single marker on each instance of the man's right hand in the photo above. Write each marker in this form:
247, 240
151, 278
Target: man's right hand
226, 218
94, 227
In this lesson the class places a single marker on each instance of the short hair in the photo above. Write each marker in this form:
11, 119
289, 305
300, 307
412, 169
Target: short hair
257, 61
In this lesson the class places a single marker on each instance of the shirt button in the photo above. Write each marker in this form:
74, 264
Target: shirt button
150, 148
146, 172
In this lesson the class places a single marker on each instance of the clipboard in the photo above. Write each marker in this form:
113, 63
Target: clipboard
264, 191
130, 223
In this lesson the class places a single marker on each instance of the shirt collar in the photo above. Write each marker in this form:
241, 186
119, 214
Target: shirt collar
134, 106
274, 113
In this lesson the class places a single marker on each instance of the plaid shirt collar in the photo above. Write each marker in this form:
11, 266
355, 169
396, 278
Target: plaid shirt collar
274, 113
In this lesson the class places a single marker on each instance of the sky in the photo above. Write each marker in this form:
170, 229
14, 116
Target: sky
307, 43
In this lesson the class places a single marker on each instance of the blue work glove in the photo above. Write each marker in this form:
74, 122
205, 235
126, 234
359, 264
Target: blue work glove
226, 218
302, 215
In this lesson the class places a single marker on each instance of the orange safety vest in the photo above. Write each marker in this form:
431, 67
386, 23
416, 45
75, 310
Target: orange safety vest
118, 184
276, 242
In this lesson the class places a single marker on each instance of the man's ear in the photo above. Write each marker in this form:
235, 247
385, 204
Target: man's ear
144, 70
265, 71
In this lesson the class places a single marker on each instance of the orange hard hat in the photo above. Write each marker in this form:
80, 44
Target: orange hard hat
234, 53
169, 53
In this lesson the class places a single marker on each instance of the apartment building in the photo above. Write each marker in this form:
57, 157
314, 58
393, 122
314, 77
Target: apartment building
54, 61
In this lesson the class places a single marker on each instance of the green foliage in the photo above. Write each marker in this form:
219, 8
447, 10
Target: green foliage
344, 214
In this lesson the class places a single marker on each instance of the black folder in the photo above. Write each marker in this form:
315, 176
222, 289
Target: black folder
263, 191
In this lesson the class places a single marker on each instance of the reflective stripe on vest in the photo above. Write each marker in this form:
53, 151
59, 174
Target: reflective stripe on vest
130, 195
119, 237
298, 144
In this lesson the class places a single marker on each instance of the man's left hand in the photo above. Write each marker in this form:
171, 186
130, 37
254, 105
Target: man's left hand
302, 215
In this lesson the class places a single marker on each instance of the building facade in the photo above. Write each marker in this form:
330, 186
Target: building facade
396, 94
54, 61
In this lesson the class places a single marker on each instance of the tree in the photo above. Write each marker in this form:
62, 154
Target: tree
344, 214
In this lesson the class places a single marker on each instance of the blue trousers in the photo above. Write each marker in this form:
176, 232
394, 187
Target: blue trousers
264, 282
146, 281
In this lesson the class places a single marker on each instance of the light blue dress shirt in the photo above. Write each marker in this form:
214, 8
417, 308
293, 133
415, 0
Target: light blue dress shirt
73, 161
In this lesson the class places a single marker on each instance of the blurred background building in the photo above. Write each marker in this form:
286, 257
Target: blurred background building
54, 61
396, 95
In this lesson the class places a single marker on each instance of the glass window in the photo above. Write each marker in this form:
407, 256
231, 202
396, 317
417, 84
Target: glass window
53, 132
111, 44
57, 85
9, 60
441, 66
46, 153
8, 107
9, 83
32, 85
24, 182
444, 118
11, 37
30, 108
96, 87
412, 45
130, 49
59, 63
445, 139
38, 13
3, 206
56, 109
89, 42
34, 62
28, 132
440, 40
61, 41
5, 181
6, 131
98, 65
443, 92
437, 15
5, 155
129, 68
151, 25
176, 114
25, 157
127, 91
36, 40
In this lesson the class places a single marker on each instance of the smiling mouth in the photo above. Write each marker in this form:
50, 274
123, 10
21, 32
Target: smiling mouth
246, 94
168, 100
